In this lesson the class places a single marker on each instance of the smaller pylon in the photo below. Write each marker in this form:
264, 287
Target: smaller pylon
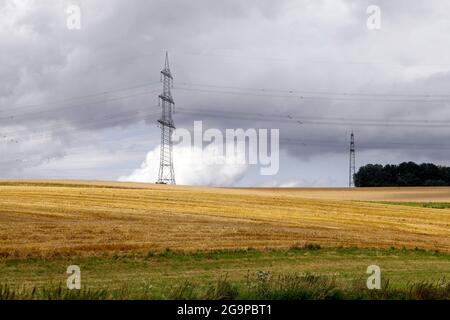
352, 168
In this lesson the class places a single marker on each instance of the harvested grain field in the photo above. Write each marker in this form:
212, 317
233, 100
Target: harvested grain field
50, 218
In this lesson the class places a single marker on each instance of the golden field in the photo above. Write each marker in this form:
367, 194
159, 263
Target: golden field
51, 218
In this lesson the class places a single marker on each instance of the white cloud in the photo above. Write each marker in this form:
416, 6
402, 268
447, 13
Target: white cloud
192, 167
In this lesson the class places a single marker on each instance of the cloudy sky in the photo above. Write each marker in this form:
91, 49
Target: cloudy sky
82, 104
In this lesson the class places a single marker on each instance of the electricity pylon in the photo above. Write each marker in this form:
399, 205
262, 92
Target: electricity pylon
166, 172
352, 167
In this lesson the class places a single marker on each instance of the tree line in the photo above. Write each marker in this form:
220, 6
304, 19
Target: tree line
406, 174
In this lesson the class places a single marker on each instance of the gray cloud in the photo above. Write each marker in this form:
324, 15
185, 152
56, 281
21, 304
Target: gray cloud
319, 48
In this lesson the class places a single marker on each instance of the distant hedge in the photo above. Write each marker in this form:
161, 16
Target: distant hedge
406, 174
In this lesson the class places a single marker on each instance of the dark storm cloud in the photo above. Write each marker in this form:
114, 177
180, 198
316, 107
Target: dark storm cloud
309, 46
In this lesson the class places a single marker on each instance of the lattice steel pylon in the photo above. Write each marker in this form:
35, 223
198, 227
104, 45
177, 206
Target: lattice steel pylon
352, 167
166, 172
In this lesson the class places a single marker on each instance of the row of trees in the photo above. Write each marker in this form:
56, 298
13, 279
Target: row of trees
406, 174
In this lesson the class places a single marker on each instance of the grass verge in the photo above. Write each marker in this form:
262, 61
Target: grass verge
260, 287
432, 205
301, 272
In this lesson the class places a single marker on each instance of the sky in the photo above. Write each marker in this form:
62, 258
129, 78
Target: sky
82, 103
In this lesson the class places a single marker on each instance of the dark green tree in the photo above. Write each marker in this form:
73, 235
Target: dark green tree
406, 174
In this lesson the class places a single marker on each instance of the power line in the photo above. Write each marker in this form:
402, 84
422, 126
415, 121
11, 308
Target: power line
343, 93
120, 118
302, 120
322, 61
343, 145
115, 119
113, 140
88, 96
290, 94
339, 121
85, 104
312, 98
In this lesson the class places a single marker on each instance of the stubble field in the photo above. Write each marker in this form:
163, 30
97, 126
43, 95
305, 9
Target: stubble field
55, 218
125, 233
